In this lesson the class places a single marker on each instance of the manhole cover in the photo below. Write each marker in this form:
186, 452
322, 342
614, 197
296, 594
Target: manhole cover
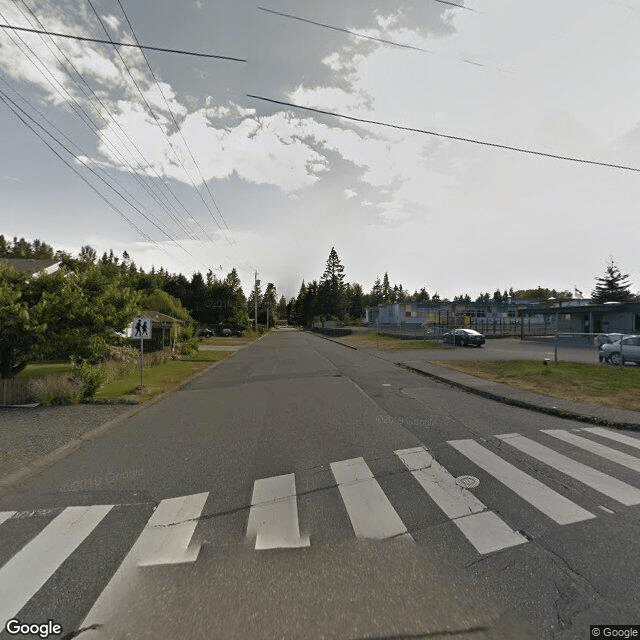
467, 482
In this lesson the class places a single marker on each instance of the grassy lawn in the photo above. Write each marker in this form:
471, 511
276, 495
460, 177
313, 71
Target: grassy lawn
231, 341
369, 339
160, 378
605, 385
41, 369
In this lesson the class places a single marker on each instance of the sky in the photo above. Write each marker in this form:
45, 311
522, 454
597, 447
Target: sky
199, 175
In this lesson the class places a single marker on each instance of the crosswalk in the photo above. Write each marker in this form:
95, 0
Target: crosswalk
273, 519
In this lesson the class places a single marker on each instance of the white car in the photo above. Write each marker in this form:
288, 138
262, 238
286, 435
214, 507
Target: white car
617, 353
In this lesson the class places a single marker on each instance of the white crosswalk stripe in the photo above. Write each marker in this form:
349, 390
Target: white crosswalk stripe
485, 530
614, 435
6, 515
543, 498
369, 509
601, 450
273, 517
164, 540
601, 482
35, 563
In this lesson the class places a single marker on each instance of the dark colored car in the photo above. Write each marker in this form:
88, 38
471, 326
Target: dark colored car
206, 333
464, 337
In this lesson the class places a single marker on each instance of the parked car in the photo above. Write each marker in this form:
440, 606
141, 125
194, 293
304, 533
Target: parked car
617, 353
206, 333
606, 338
464, 337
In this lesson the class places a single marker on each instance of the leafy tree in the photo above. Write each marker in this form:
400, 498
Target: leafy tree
21, 322
164, 302
84, 310
614, 286
88, 256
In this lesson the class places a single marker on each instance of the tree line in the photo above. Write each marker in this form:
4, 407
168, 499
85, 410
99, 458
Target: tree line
332, 298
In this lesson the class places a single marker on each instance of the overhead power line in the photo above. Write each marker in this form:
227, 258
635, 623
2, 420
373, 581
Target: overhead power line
453, 4
381, 40
121, 44
16, 108
343, 30
155, 117
447, 136
86, 118
175, 123
9, 103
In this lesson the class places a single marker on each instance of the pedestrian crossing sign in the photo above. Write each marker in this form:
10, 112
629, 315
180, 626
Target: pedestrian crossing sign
141, 328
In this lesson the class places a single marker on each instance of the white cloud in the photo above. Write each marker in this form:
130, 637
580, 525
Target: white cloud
350, 193
112, 21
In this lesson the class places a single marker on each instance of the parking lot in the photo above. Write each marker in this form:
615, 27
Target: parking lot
507, 349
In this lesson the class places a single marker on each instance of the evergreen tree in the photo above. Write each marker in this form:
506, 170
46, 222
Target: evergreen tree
614, 286
332, 288
386, 289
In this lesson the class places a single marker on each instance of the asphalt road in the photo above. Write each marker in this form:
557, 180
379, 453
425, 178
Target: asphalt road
301, 489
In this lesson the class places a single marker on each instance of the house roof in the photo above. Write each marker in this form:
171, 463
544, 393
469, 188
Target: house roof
156, 316
31, 266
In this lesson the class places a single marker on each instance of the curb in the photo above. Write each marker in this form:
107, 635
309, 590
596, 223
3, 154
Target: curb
348, 346
66, 449
560, 413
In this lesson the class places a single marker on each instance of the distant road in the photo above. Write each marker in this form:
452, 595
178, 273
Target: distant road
304, 490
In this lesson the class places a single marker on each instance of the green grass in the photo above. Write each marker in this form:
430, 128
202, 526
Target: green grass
369, 339
232, 341
599, 384
40, 369
160, 378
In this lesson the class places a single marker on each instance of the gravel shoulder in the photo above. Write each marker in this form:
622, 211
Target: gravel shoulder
28, 434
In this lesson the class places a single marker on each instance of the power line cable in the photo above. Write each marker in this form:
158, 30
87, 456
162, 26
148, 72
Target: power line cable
4, 99
155, 117
453, 4
119, 44
446, 135
163, 202
195, 162
15, 106
89, 121
59, 131
343, 30
381, 40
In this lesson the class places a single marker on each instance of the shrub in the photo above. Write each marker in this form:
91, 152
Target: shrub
57, 389
188, 347
90, 377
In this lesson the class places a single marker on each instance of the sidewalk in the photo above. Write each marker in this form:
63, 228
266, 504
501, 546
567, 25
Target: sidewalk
581, 411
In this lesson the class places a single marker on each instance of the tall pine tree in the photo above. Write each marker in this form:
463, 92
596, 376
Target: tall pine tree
612, 287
